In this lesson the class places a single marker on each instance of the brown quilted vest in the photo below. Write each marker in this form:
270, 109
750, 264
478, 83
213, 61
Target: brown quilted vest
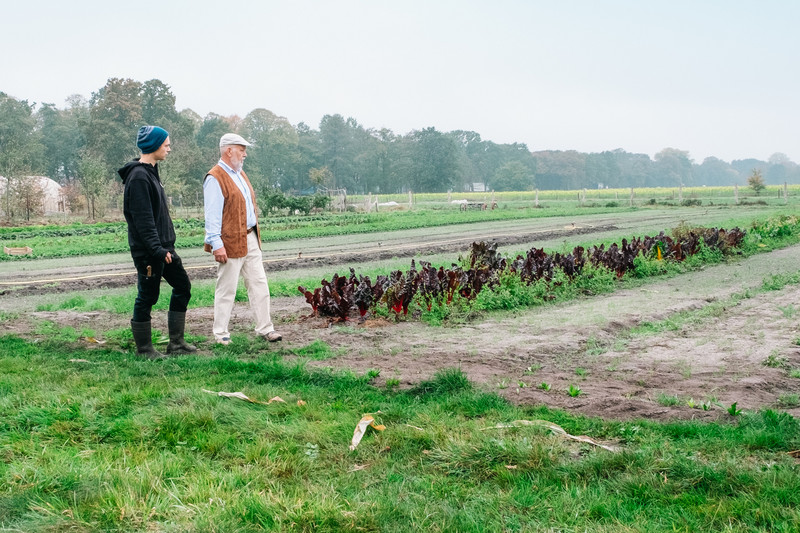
234, 214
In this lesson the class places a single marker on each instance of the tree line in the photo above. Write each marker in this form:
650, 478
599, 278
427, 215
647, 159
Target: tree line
83, 143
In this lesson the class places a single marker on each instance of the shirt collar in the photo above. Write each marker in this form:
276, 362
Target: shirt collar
226, 168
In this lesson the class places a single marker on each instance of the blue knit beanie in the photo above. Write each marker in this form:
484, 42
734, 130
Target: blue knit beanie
151, 138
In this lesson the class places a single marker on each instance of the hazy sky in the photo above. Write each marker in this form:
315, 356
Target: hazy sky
715, 77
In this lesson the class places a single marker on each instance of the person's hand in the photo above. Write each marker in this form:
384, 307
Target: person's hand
220, 255
168, 258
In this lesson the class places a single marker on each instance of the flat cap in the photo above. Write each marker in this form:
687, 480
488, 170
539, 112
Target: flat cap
232, 138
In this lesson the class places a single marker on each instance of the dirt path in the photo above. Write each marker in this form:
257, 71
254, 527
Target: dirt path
586, 343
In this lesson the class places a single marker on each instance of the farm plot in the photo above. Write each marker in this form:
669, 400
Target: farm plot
686, 347
293, 258
713, 337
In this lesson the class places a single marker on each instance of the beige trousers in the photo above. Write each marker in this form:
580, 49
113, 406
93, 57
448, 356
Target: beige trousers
255, 281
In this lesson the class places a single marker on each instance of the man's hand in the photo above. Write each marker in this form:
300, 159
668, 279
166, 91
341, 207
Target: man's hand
220, 255
168, 258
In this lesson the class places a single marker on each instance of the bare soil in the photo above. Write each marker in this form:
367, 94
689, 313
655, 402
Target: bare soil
718, 359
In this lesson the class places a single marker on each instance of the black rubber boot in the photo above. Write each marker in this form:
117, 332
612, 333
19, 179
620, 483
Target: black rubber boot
144, 341
176, 322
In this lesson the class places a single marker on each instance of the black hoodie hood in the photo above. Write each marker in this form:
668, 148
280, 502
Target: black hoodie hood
125, 171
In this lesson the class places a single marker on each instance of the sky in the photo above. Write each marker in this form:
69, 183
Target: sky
713, 77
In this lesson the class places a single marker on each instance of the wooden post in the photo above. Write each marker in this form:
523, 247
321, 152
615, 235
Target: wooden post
630, 201
410, 201
536, 201
736, 194
785, 192
680, 193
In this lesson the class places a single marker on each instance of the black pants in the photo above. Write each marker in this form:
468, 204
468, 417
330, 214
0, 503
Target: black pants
149, 285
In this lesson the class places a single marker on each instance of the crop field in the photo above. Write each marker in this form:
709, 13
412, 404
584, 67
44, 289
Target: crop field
681, 375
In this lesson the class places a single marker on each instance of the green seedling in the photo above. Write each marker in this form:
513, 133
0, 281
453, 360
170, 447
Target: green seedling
733, 410
574, 391
774, 360
532, 369
668, 401
544, 386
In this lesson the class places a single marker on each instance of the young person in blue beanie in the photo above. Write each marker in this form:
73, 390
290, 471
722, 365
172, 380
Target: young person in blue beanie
151, 237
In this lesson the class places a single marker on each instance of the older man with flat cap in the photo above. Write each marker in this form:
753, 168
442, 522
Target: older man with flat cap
234, 238
151, 238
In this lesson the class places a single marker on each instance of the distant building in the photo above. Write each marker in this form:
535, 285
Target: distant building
53, 200
475, 187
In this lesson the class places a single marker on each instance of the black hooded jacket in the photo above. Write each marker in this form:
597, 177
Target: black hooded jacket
150, 229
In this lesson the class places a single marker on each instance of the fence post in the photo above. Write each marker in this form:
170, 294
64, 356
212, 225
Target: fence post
536, 201
410, 202
680, 193
630, 201
785, 192
736, 193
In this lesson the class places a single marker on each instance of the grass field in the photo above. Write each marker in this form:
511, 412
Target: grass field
630, 197
93, 439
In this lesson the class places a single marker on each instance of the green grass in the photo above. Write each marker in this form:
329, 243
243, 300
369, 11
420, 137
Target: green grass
120, 444
789, 400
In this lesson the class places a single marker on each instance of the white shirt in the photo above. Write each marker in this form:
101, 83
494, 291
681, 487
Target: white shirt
213, 200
